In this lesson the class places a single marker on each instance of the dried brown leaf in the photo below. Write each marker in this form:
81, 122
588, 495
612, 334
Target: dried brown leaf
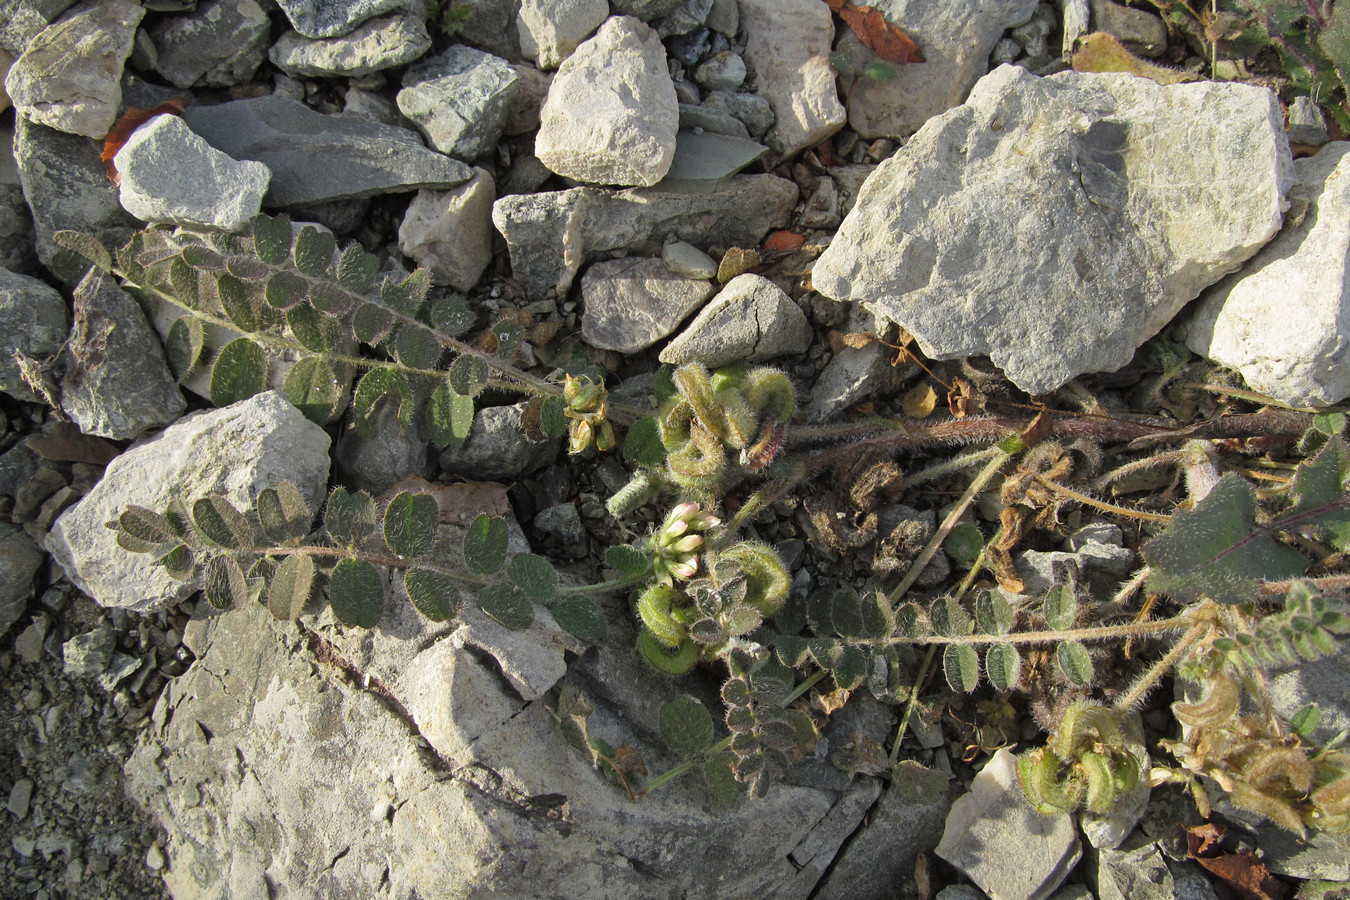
881, 37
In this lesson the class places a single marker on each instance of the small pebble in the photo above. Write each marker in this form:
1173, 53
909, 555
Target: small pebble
154, 858
685, 259
20, 796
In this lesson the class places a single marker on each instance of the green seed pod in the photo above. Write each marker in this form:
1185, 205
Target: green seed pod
693, 382
674, 419
739, 421
728, 377
767, 578
701, 457
770, 394
654, 609
667, 661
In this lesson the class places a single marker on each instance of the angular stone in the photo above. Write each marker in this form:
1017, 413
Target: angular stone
270, 441
460, 100
1105, 256
956, 38
171, 175
23, 20
333, 18
724, 72
632, 303
1137, 871
20, 559
67, 187
789, 49
549, 234
995, 813
450, 232
491, 26
1283, 320
550, 30
117, 384
750, 319
88, 655
376, 44
376, 462
1307, 125
1142, 33
70, 76
645, 10
703, 160
851, 376
34, 321
685, 18
497, 448
314, 157
751, 109
611, 113
700, 118
217, 45
18, 247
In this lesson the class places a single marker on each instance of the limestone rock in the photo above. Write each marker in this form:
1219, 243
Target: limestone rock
316, 158
1086, 205
70, 76
450, 232
789, 48
117, 384
551, 29
33, 320
749, 320
460, 100
756, 113
611, 113
632, 303
171, 175
333, 18
270, 441
219, 44
376, 44
1283, 321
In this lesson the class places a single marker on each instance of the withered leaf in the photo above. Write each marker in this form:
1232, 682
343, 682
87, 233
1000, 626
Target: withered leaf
784, 241
876, 34
628, 760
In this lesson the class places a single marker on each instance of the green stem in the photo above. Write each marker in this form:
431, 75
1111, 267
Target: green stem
1097, 633
603, 587
910, 705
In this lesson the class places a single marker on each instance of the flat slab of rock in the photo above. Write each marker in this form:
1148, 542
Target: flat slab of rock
450, 232
315, 158
1038, 223
1283, 321
376, 44
789, 48
34, 321
217, 45
751, 319
169, 174
460, 100
611, 113
333, 18
631, 304
955, 37
269, 442
703, 160
70, 76
20, 559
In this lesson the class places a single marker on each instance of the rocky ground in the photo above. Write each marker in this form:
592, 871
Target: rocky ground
631, 182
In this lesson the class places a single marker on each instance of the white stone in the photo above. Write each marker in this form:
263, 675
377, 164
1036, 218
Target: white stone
1283, 321
551, 29
377, 44
789, 49
611, 113
632, 303
450, 232
751, 319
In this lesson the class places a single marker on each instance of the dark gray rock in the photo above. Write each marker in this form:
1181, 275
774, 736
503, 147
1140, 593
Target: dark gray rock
18, 251
20, 559
497, 448
702, 160
117, 384
220, 43
491, 26
70, 75
644, 9
375, 463
34, 321
702, 118
562, 522
23, 20
751, 109
632, 303
376, 44
314, 157
460, 100
333, 18
1136, 871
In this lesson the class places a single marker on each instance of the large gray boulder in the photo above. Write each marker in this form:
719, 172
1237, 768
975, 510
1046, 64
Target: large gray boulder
1057, 223
1284, 320
460, 100
235, 451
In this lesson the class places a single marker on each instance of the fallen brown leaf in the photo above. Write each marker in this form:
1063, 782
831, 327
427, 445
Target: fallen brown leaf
876, 34
784, 241
458, 504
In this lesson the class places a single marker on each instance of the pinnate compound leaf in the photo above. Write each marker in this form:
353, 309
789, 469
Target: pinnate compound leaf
581, 618
85, 246
468, 375
178, 562
283, 513
686, 726
485, 545
313, 251
534, 575
375, 386
247, 268
240, 372
642, 446
349, 518
183, 346
356, 269
1060, 607
852, 668
435, 594
331, 298
993, 613
506, 604
272, 239
1074, 662
220, 523
291, 586
372, 323
1217, 550
1321, 501
450, 414
1003, 665
628, 560
961, 665
312, 387
416, 347
223, 582
356, 592
410, 524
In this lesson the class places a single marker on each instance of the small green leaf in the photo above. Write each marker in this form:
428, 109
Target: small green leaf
349, 518
220, 523
272, 239
827, 652
993, 613
183, 346
410, 524
178, 562
240, 372
356, 269
451, 315
291, 586
846, 614
330, 298
663, 385
506, 604
435, 594
146, 526
534, 575
878, 619
1074, 662
720, 775
313, 251
792, 650
1003, 665
85, 246
686, 726
552, 417
318, 332
450, 414
356, 592
247, 268
223, 582
642, 446
1305, 721
907, 622
283, 513
582, 618
239, 303
667, 660
485, 545
961, 665
372, 323
408, 295
312, 387
186, 283
964, 544
416, 346
948, 618
852, 668
468, 375
1060, 607
628, 560
374, 387
285, 289
509, 338
203, 258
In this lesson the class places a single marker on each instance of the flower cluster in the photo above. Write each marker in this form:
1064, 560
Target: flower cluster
675, 545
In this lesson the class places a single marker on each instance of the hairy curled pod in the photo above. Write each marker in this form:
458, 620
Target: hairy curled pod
667, 660
673, 420
770, 394
767, 579
635, 493
1219, 704
701, 456
1048, 782
654, 608
739, 421
694, 384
